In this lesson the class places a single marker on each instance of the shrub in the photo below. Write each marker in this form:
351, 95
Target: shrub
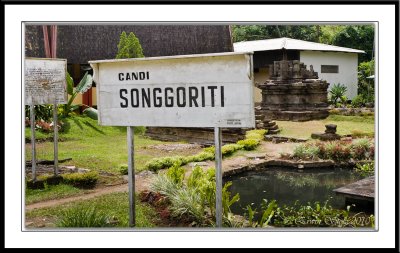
366, 169
156, 164
84, 217
210, 149
306, 151
334, 112
257, 134
123, 169
336, 93
358, 101
164, 185
203, 156
42, 112
54, 180
194, 199
35, 185
81, 180
340, 152
176, 174
187, 202
254, 137
361, 134
229, 149
249, 144
361, 149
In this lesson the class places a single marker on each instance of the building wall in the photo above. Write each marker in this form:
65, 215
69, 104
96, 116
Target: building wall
347, 62
259, 77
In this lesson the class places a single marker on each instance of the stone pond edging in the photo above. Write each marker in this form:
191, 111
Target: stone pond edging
263, 164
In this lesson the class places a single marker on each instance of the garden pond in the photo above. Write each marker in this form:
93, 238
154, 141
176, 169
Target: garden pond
287, 186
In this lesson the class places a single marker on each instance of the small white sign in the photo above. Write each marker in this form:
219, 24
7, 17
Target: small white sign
45, 81
210, 90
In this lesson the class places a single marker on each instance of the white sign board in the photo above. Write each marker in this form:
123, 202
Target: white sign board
210, 90
45, 81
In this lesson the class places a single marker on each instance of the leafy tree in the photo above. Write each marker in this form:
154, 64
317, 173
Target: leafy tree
259, 32
365, 85
129, 46
353, 36
358, 37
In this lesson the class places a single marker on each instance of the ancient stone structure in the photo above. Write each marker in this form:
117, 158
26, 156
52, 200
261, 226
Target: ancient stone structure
203, 136
263, 123
329, 135
294, 93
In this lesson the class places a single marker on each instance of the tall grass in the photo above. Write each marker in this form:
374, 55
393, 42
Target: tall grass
84, 218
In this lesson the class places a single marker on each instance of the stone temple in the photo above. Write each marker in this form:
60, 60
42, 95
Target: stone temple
294, 93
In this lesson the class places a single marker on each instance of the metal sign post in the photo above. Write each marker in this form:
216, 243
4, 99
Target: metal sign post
32, 107
218, 176
131, 176
45, 83
55, 126
206, 90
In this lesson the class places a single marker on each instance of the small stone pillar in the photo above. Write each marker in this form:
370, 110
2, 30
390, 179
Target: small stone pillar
329, 135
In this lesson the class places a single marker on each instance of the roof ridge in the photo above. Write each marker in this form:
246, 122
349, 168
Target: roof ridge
324, 44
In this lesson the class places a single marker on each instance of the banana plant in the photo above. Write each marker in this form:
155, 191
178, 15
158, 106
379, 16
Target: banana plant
83, 86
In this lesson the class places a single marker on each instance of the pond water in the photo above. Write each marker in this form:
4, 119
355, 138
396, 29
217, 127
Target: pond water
287, 186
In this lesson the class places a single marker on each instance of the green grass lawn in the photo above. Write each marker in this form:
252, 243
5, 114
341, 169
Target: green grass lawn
97, 147
345, 125
114, 204
51, 192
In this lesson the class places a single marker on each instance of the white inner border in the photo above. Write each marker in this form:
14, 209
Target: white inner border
15, 14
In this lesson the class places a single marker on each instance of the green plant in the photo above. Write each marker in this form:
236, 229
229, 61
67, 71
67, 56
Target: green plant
227, 201
156, 164
84, 217
42, 112
366, 87
229, 149
310, 215
366, 169
268, 213
81, 180
337, 92
250, 215
358, 101
249, 144
129, 46
195, 198
257, 134
176, 174
187, 202
84, 85
361, 149
123, 169
253, 139
306, 151
164, 185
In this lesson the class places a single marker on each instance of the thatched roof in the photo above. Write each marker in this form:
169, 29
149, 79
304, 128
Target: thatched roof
81, 43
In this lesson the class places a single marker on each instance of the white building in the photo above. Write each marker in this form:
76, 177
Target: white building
333, 64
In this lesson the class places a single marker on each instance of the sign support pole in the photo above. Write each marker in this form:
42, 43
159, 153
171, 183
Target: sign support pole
131, 176
32, 107
55, 126
218, 175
